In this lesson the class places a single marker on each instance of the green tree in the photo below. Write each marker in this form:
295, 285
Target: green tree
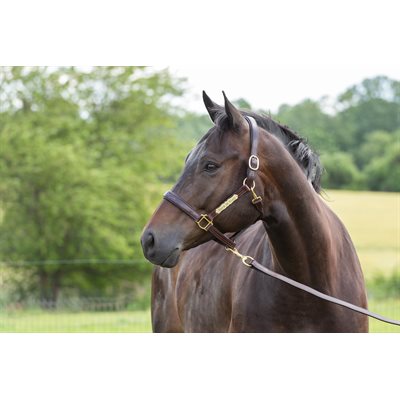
242, 104
56, 208
375, 146
311, 122
341, 172
80, 170
383, 173
372, 105
192, 126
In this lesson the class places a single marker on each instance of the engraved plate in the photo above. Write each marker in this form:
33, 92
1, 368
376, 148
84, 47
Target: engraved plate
226, 204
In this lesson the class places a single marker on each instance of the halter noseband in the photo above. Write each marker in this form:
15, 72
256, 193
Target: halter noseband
206, 221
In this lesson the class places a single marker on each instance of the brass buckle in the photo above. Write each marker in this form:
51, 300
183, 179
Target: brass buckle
204, 217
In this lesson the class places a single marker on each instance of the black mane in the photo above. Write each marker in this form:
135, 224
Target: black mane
295, 144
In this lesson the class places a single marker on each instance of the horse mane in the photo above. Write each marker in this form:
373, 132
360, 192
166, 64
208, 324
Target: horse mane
294, 143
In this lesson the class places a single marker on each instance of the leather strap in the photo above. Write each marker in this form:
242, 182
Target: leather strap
321, 295
195, 216
254, 162
178, 202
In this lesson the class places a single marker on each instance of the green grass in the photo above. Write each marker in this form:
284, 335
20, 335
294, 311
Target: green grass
388, 308
373, 221
135, 321
57, 321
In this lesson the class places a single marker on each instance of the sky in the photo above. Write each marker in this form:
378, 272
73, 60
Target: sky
266, 87
268, 52
275, 52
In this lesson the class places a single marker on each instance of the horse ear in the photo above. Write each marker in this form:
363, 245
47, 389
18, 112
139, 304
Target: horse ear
211, 107
235, 118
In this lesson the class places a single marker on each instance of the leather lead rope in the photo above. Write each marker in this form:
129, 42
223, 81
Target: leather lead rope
321, 295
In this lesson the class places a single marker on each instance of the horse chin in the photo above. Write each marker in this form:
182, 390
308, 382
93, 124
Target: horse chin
172, 259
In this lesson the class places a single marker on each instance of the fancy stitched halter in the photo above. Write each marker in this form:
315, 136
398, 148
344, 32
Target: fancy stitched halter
206, 223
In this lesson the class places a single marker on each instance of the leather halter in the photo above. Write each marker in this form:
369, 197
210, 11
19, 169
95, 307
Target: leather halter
206, 223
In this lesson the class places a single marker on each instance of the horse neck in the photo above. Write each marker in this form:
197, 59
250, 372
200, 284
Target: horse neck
295, 217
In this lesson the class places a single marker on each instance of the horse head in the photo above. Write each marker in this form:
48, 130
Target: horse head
213, 170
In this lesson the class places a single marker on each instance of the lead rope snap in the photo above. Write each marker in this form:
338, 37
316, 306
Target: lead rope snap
246, 260
256, 197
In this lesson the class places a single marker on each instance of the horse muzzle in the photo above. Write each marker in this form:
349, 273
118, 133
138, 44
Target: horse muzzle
161, 249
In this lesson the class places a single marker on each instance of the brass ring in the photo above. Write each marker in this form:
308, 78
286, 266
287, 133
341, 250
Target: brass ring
248, 187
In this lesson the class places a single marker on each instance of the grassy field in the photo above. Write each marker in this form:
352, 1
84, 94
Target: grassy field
134, 321
388, 308
42, 321
373, 220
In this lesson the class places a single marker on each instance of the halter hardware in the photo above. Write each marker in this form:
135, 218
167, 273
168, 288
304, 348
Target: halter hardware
246, 260
204, 217
248, 187
256, 198
254, 158
226, 204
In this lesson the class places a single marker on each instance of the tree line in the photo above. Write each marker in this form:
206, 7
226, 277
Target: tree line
86, 153
82, 156
358, 139
357, 134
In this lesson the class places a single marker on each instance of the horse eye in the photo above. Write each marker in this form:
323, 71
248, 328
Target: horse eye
211, 167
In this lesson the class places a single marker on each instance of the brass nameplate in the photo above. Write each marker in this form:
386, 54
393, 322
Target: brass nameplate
226, 204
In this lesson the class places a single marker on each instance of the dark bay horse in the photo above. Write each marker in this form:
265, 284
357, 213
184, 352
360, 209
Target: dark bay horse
199, 287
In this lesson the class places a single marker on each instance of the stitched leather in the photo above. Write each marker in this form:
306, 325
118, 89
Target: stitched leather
189, 211
178, 202
254, 139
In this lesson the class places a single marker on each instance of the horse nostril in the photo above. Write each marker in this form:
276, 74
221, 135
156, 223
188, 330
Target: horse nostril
150, 240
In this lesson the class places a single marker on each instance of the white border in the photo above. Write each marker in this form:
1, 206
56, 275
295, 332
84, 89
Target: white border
198, 366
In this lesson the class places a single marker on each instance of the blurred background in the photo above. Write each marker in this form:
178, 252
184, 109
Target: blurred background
86, 154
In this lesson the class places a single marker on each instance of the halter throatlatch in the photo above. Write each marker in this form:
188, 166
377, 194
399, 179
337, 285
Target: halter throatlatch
206, 221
